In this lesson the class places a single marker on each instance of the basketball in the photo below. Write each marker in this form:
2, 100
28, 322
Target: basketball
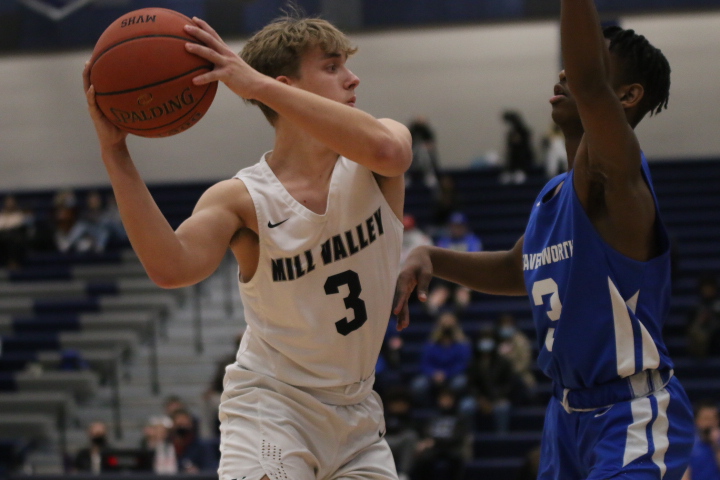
143, 75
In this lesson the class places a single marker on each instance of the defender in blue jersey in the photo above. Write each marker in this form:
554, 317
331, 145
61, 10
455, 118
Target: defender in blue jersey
595, 261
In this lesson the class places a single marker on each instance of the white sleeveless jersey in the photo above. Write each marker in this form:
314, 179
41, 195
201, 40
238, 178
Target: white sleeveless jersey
319, 303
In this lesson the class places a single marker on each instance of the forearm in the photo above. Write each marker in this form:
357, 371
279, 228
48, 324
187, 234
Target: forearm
496, 273
150, 235
584, 52
348, 131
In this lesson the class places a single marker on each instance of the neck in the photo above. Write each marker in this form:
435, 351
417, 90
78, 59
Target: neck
294, 145
573, 133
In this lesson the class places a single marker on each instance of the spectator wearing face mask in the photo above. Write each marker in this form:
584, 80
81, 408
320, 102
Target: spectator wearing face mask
89, 459
440, 453
444, 362
492, 383
516, 347
193, 454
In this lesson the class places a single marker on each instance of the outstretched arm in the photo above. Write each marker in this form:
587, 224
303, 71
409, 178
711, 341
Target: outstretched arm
608, 176
384, 146
497, 273
171, 258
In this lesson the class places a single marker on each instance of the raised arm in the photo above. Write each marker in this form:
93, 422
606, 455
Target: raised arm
608, 176
384, 146
171, 258
497, 273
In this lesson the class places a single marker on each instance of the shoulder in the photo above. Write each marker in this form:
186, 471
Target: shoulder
229, 195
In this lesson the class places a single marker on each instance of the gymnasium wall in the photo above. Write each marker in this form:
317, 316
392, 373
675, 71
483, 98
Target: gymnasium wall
462, 78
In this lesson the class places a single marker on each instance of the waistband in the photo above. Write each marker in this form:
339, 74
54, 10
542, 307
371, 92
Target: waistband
343, 395
624, 389
239, 377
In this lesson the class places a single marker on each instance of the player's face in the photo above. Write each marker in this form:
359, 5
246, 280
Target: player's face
327, 75
563, 104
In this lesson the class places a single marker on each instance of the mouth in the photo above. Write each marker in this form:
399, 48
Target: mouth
352, 101
558, 94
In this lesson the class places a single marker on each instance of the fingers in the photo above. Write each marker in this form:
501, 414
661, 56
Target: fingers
86, 76
403, 318
403, 288
423, 284
205, 78
205, 52
206, 35
205, 26
90, 97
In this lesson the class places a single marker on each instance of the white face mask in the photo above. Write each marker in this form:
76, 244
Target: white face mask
486, 345
506, 332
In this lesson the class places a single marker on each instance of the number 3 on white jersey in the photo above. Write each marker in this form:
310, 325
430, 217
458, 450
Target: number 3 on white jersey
539, 290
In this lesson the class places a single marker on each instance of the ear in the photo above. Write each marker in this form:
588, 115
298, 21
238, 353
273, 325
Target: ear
284, 79
631, 95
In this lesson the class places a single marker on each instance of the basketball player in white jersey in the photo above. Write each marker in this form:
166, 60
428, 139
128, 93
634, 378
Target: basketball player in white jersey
315, 227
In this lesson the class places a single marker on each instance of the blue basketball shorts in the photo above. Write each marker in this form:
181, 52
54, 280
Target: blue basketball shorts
646, 438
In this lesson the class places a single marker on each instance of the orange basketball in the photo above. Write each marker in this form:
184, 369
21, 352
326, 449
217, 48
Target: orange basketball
143, 75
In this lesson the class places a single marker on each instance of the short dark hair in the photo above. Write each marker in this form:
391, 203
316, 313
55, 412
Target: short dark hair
644, 64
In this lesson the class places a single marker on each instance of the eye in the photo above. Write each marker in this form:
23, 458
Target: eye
332, 67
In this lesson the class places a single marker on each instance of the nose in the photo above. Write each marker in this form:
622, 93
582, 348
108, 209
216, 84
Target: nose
353, 81
561, 75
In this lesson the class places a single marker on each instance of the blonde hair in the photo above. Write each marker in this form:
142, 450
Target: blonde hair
278, 48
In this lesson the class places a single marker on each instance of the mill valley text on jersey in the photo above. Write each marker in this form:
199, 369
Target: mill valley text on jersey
331, 250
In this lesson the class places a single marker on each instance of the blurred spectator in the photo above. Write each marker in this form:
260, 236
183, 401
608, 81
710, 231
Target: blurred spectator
95, 227
65, 217
401, 431
531, 466
193, 454
459, 238
704, 322
412, 237
388, 371
492, 383
446, 436
445, 358
211, 396
112, 221
516, 347
446, 204
174, 403
555, 152
14, 225
89, 459
156, 439
424, 165
705, 457
519, 156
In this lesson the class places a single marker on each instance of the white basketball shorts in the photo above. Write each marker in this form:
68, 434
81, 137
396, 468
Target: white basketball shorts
268, 427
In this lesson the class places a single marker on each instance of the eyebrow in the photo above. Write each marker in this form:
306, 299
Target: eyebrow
332, 55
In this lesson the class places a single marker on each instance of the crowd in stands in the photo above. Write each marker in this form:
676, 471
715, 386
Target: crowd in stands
172, 443
72, 224
462, 382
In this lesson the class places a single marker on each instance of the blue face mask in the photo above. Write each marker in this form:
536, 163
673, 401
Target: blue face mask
506, 332
486, 345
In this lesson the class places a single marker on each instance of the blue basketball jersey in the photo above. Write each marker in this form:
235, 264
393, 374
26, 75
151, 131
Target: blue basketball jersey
598, 314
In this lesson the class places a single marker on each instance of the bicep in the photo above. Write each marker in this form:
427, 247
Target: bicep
206, 234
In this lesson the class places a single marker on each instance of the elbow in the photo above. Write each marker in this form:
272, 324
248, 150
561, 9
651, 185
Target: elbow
392, 157
164, 279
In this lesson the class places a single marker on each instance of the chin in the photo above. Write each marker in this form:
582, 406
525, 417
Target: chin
562, 116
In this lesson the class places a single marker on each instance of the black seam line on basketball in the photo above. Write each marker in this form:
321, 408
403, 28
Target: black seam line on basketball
174, 121
155, 35
130, 90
